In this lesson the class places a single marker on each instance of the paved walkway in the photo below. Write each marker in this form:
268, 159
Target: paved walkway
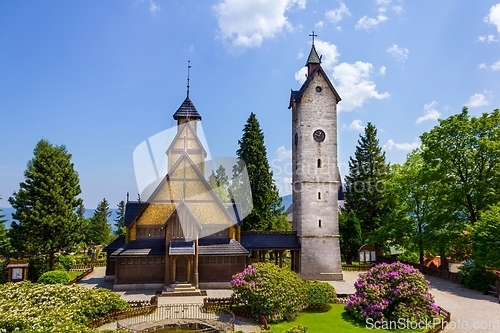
471, 311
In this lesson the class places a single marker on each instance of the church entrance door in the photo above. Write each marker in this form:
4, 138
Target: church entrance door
181, 270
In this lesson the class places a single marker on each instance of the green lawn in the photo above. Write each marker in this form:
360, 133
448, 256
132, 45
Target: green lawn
74, 275
334, 320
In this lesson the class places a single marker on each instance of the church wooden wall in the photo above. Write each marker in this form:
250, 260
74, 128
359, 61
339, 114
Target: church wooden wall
219, 268
134, 270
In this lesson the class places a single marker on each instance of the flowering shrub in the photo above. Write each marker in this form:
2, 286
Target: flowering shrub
54, 277
320, 295
270, 291
392, 291
27, 307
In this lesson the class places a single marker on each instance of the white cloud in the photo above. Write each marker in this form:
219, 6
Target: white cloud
300, 55
382, 70
383, 2
478, 100
319, 24
356, 125
398, 9
336, 15
493, 67
154, 7
352, 81
430, 113
246, 23
487, 39
406, 146
494, 16
354, 84
283, 153
368, 23
400, 53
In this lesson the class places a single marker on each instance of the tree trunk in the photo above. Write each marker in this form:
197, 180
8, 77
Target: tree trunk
444, 260
51, 261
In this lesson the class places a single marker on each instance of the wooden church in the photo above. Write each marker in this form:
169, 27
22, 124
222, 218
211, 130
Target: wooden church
183, 236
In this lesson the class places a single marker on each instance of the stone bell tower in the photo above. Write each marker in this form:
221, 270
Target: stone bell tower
315, 173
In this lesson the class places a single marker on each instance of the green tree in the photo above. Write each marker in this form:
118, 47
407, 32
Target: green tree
410, 196
46, 203
485, 240
365, 184
99, 230
265, 195
5, 247
120, 219
219, 182
463, 154
462, 157
350, 235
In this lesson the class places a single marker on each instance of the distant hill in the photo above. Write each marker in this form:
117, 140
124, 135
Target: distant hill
88, 213
286, 201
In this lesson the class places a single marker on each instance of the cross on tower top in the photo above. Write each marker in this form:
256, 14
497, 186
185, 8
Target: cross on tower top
313, 35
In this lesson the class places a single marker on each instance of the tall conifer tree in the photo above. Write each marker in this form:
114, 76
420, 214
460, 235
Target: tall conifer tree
120, 219
4, 239
99, 229
365, 184
267, 204
46, 203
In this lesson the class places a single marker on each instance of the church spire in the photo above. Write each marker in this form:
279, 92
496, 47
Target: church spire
314, 60
187, 111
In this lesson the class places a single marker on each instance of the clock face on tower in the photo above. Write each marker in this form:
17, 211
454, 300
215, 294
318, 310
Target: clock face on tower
319, 135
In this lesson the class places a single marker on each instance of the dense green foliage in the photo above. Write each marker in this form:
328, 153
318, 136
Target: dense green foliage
350, 235
264, 193
98, 229
365, 184
54, 277
485, 238
320, 295
120, 219
476, 276
46, 203
390, 292
219, 182
66, 261
268, 290
28, 308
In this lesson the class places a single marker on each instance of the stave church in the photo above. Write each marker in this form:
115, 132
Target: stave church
184, 239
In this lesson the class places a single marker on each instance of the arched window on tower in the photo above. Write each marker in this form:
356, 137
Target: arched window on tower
319, 223
319, 195
319, 162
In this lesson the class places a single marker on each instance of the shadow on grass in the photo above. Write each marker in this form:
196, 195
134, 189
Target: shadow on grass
351, 320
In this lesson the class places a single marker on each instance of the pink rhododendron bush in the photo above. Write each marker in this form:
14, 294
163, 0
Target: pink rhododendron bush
391, 292
270, 291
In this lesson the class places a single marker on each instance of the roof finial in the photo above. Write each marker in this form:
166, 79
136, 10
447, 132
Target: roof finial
313, 35
189, 66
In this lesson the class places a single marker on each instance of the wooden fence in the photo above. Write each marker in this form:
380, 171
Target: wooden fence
131, 312
453, 277
168, 315
81, 276
356, 268
445, 319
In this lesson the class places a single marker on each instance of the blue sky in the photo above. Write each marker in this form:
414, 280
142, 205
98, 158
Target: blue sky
101, 77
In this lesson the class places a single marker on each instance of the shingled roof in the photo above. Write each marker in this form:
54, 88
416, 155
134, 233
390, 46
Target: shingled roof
132, 208
115, 245
142, 247
187, 110
221, 247
270, 241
